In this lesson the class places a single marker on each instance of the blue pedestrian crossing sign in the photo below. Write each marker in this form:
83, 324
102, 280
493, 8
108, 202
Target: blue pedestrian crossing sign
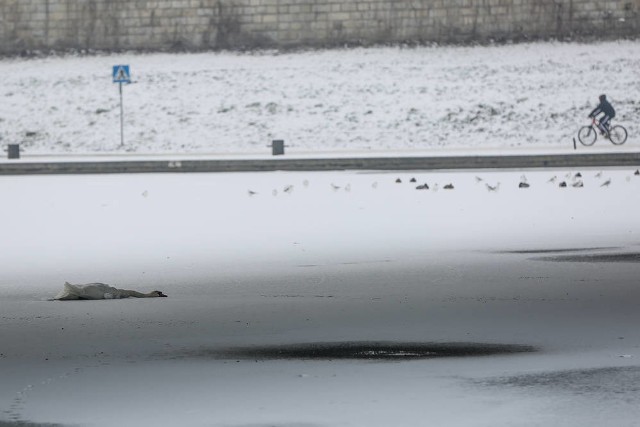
121, 74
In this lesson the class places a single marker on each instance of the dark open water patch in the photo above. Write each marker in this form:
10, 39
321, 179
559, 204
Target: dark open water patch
555, 251
605, 383
26, 424
273, 425
614, 254
377, 350
593, 258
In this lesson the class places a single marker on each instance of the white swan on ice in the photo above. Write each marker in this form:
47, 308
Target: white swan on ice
92, 291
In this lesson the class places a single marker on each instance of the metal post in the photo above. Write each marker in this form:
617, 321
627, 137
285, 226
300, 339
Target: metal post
121, 118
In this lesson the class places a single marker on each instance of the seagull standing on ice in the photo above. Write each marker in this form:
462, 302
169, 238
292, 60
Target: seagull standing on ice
606, 183
492, 188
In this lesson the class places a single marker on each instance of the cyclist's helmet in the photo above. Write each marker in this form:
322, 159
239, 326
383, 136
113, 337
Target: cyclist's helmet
603, 97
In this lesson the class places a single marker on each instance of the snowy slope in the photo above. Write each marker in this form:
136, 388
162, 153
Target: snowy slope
389, 98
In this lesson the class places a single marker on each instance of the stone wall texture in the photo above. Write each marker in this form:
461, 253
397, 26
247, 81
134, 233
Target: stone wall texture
27, 25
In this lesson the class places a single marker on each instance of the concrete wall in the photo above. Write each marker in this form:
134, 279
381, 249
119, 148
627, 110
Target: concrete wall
217, 24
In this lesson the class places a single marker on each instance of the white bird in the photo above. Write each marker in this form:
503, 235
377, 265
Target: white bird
288, 189
305, 183
347, 188
252, 193
478, 179
606, 183
274, 192
145, 194
435, 187
93, 291
335, 187
578, 184
554, 178
493, 187
599, 174
374, 185
523, 182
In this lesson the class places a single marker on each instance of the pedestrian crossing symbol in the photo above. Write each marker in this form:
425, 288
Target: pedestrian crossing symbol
121, 74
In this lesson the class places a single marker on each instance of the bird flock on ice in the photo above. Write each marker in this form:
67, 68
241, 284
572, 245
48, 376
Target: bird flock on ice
569, 179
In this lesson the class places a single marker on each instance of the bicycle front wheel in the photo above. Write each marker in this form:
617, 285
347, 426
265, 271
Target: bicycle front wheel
617, 135
587, 135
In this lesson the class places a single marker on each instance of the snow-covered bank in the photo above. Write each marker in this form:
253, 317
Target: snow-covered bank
428, 98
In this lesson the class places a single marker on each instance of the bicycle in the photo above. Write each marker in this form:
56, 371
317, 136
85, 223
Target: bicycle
587, 134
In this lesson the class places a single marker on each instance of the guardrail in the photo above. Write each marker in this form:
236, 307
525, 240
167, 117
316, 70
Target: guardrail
23, 167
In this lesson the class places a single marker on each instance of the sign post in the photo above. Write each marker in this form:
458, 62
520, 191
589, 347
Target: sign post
121, 74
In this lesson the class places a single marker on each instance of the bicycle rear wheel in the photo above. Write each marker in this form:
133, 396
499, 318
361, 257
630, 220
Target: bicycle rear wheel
587, 135
617, 135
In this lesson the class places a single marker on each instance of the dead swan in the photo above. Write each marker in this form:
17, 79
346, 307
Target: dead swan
92, 291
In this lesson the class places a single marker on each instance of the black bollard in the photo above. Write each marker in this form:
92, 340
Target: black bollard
14, 151
277, 147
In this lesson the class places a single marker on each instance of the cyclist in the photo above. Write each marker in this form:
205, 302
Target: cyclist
608, 112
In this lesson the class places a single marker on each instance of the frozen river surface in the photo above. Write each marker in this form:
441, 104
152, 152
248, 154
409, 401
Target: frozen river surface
323, 299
